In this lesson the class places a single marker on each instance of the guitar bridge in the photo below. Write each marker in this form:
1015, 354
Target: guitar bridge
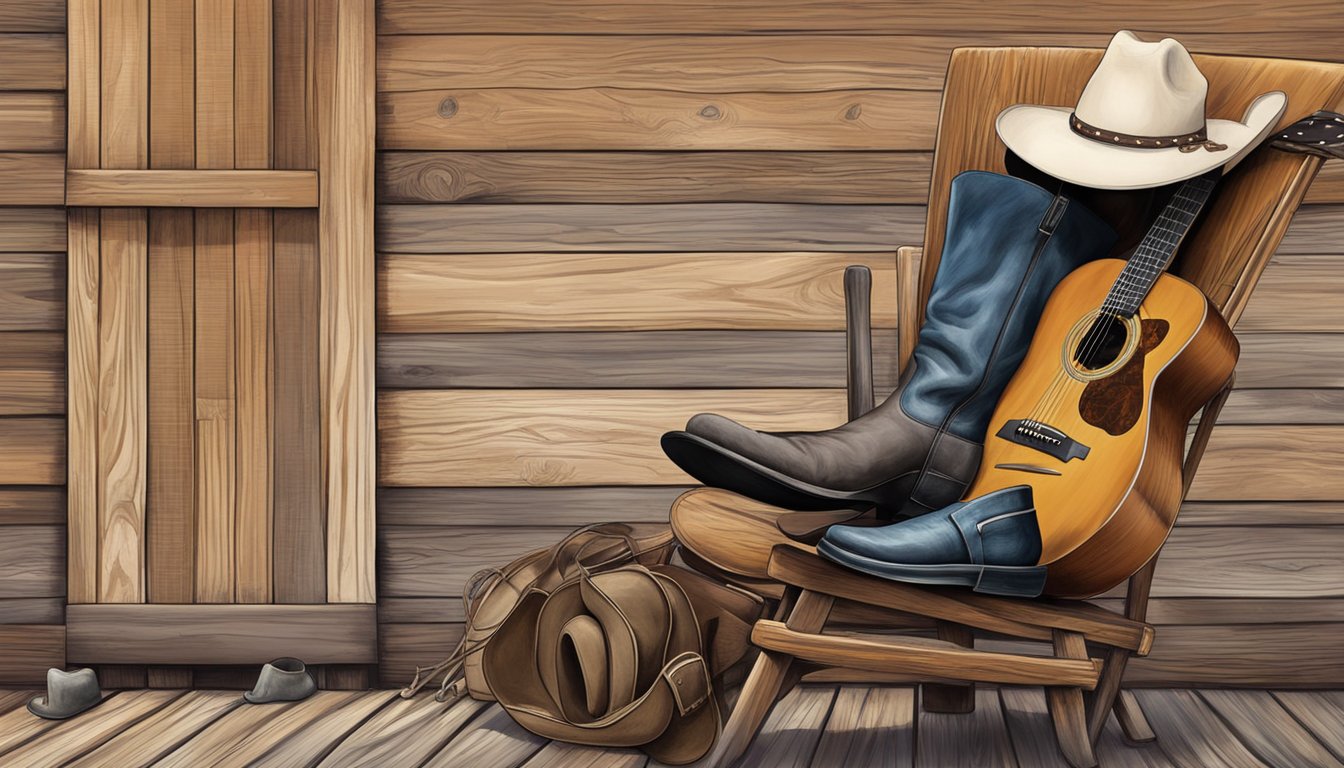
1044, 438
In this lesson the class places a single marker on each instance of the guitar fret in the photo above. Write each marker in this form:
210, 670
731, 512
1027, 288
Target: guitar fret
1157, 247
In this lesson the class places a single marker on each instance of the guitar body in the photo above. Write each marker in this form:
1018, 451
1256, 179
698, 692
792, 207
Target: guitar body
1102, 443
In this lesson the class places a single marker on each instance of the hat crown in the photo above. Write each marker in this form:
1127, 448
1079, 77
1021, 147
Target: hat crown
1144, 89
66, 690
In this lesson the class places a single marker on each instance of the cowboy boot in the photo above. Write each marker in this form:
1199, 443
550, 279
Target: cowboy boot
1008, 243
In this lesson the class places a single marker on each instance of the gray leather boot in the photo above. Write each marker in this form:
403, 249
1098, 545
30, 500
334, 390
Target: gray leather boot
1008, 244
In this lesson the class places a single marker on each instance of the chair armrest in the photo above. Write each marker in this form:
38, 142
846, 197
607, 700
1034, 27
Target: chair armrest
859, 339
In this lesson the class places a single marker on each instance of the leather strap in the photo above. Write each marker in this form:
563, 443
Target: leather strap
1186, 142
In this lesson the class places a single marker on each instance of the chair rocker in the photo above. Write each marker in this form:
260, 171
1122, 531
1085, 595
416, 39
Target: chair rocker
1088, 645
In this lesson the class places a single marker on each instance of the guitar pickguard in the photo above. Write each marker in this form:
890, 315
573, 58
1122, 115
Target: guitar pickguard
1115, 403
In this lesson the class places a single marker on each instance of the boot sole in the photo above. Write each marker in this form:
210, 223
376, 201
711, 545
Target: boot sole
1003, 580
719, 467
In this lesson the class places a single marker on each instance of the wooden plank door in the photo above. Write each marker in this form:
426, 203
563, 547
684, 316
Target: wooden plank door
221, 325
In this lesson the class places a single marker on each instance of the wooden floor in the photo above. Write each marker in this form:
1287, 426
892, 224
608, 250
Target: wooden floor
818, 726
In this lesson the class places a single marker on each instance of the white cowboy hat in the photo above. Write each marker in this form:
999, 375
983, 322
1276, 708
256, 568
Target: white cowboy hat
1139, 123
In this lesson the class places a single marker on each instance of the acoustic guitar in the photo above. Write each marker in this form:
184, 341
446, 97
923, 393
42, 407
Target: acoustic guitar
1095, 418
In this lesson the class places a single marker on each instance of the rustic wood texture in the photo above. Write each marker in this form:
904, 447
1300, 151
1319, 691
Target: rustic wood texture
978, 738
1268, 729
346, 237
639, 119
33, 62
32, 506
306, 746
407, 731
32, 16
627, 360
35, 610
172, 83
1253, 463
871, 16
71, 738
813, 728
32, 229
32, 122
761, 291
485, 506
30, 649
253, 380
490, 736
621, 228
299, 509
1321, 712
653, 177
871, 727
789, 736
214, 84
247, 734
32, 376
219, 634
32, 451
83, 292
171, 493
1191, 733
153, 737
32, 292
30, 557
122, 406
34, 178
566, 437
216, 444
124, 125
192, 189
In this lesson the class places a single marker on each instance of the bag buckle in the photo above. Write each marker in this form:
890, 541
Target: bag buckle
688, 678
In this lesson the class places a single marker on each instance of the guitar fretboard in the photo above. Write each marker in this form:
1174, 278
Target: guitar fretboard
1158, 246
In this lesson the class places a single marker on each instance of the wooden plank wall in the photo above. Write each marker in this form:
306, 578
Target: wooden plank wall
32, 340
598, 219
221, 349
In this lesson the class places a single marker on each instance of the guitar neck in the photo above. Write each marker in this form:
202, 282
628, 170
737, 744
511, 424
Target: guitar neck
1158, 246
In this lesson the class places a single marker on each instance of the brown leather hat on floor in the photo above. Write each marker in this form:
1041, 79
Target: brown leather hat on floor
612, 659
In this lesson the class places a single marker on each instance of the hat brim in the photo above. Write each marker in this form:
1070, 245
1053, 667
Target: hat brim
38, 706
1042, 136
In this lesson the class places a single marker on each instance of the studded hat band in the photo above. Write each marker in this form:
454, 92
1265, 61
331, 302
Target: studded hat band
1186, 142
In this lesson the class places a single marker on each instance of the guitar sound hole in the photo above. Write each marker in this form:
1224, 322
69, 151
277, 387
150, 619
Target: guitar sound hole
1102, 344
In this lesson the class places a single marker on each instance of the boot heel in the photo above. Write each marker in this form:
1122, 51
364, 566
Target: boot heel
1010, 581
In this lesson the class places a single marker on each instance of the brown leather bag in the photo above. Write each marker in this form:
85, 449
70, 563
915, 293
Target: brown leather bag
725, 615
491, 593
620, 659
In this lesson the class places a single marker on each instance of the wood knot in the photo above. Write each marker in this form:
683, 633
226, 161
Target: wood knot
853, 112
447, 107
710, 112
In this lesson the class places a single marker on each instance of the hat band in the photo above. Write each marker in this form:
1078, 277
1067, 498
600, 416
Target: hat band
1186, 142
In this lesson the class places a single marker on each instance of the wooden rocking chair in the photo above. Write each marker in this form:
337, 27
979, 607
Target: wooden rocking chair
1224, 258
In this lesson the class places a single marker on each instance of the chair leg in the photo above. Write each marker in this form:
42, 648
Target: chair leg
764, 683
950, 698
1133, 723
1103, 698
1066, 707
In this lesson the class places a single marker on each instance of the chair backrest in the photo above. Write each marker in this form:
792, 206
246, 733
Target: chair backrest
1231, 248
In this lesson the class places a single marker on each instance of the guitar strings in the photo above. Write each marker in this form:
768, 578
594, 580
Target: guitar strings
1125, 288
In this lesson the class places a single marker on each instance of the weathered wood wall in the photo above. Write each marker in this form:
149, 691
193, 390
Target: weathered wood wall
221, 317
587, 235
32, 339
